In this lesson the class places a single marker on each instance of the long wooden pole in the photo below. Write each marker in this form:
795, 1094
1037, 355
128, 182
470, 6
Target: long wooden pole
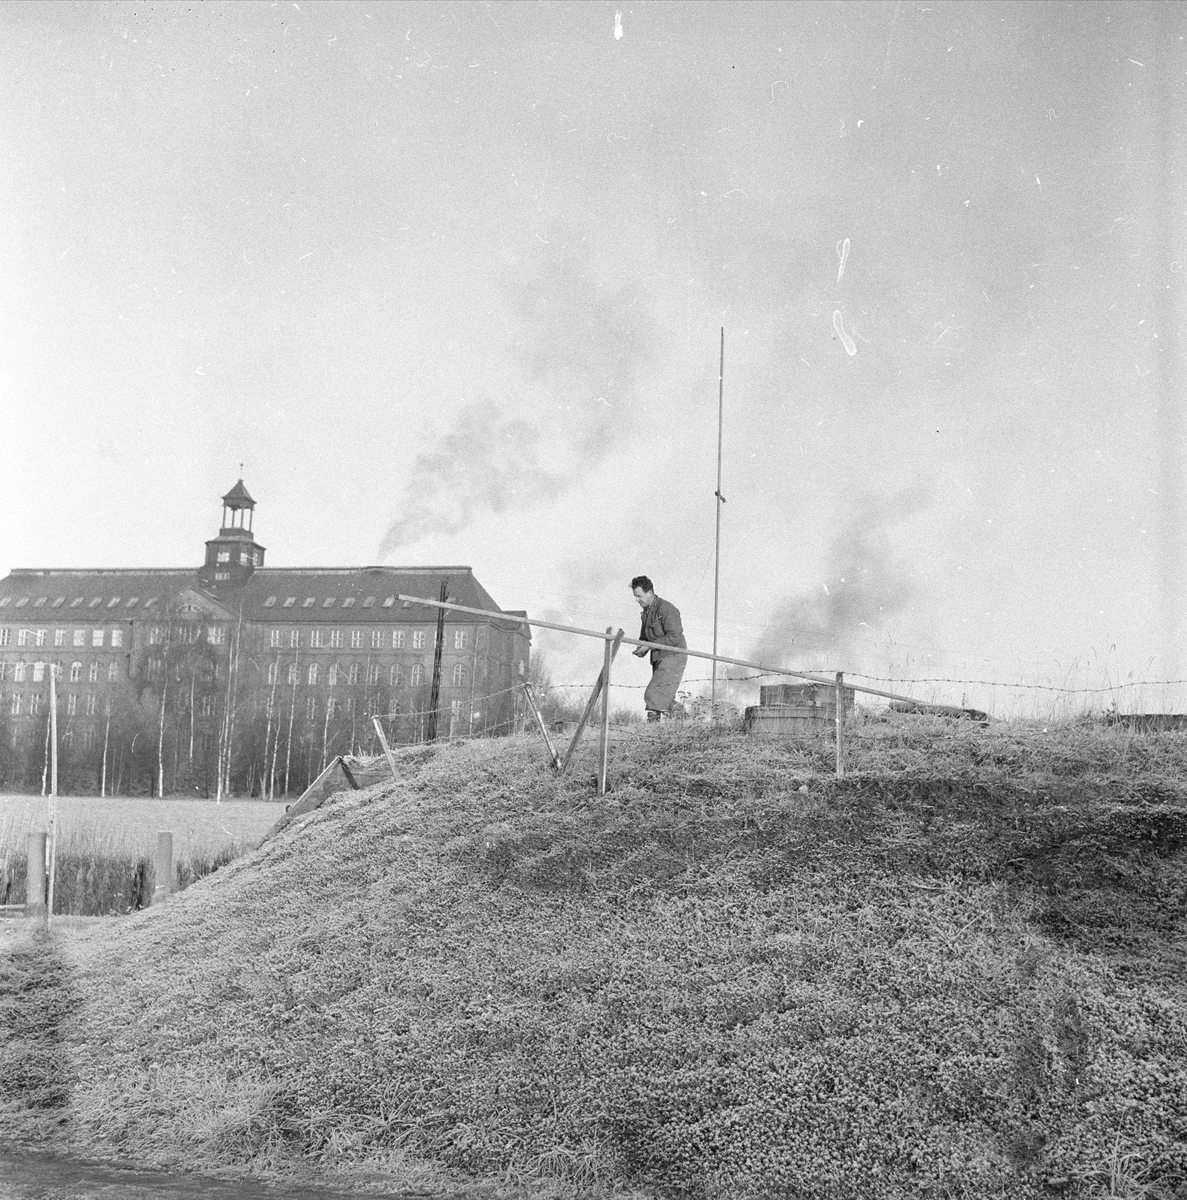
840, 724
604, 743
765, 668
53, 789
590, 704
719, 501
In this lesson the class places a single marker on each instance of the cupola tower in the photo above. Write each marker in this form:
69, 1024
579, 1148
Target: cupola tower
234, 554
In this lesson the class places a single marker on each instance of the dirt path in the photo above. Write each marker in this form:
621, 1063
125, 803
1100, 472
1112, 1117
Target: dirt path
27, 1175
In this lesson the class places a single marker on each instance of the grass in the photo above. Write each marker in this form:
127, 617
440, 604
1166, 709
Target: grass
106, 847
956, 972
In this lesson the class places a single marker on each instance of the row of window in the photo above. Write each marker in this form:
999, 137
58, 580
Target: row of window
77, 602
32, 703
216, 635
353, 673
381, 639
20, 672
330, 601
349, 705
40, 637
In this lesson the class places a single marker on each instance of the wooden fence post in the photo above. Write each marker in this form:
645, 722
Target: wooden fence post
553, 756
590, 705
391, 758
35, 877
604, 746
840, 724
164, 866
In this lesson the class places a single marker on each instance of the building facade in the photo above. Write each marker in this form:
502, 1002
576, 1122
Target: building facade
243, 678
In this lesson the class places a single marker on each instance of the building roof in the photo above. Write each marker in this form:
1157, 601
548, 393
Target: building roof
238, 497
284, 595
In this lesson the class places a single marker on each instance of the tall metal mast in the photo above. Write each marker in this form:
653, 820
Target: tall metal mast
717, 541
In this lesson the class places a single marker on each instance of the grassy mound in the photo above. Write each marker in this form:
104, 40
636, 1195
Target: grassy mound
956, 972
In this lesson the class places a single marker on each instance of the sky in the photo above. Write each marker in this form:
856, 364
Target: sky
450, 281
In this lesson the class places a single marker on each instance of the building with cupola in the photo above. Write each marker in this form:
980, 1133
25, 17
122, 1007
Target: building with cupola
241, 678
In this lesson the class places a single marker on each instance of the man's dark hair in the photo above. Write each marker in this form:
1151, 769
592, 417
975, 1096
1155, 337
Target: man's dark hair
641, 581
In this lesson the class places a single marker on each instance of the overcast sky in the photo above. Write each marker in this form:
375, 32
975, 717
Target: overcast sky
449, 280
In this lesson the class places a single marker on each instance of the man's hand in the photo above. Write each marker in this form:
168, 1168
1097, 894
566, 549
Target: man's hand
640, 652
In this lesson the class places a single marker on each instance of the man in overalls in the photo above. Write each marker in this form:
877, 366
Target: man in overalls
661, 623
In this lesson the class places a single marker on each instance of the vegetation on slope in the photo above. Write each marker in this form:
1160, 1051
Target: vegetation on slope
955, 972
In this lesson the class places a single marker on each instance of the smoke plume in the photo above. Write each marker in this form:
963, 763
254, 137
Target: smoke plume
865, 582
581, 355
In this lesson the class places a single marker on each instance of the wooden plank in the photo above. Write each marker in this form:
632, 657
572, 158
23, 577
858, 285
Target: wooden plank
531, 698
589, 707
391, 758
315, 795
604, 747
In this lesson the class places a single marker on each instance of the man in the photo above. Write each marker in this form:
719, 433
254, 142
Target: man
661, 623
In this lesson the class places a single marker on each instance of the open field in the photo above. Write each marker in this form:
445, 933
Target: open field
956, 972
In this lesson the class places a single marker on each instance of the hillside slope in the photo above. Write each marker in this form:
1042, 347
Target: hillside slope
955, 972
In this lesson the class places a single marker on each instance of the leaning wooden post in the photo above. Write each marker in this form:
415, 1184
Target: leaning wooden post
840, 724
604, 747
164, 884
35, 877
391, 758
553, 756
53, 792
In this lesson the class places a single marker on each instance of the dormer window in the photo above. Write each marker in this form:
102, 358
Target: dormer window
290, 601
348, 602
39, 601
150, 602
133, 602
76, 602
22, 602
270, 602
309, 602
224, 556
328, 602
389, 602
59, 602
95, 602
113, 602
369, 602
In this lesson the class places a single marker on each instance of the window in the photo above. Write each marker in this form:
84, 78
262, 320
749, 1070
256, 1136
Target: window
117, 638
91, 699
150, 602
418, 639
416, 672
394, 676
369, 602
311, 708
93, 673
95, 602
221, 575
274, 639
75, 672
459, 674
80, 637
315, 637
459, 639
155, 636
113, 671
270, 602
16, 704
71, 708
328, 602
22, 602
356, 639
245, 559
59, 637
289, 601
18, 672
5, 601
58, 602
309, 602
76, 602
354, 673
97, 637
292, 673
397, 639
333, 677
4, 637
312, 673
133, 602
224, 556
273, 669
35, 703
389, 602
38, 672
39, 601
42, 634
350, 705
216, 635
294, 637
113, 602
376, 639
521, 668
207, 706
335, 638
348, 602
373, 673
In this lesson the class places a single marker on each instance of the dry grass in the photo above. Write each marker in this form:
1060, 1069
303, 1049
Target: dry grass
953, 973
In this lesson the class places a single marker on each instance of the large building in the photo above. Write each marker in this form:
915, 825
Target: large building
243, 678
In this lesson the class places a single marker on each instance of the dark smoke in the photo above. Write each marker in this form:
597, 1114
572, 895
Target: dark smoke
865, 581
581, 355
